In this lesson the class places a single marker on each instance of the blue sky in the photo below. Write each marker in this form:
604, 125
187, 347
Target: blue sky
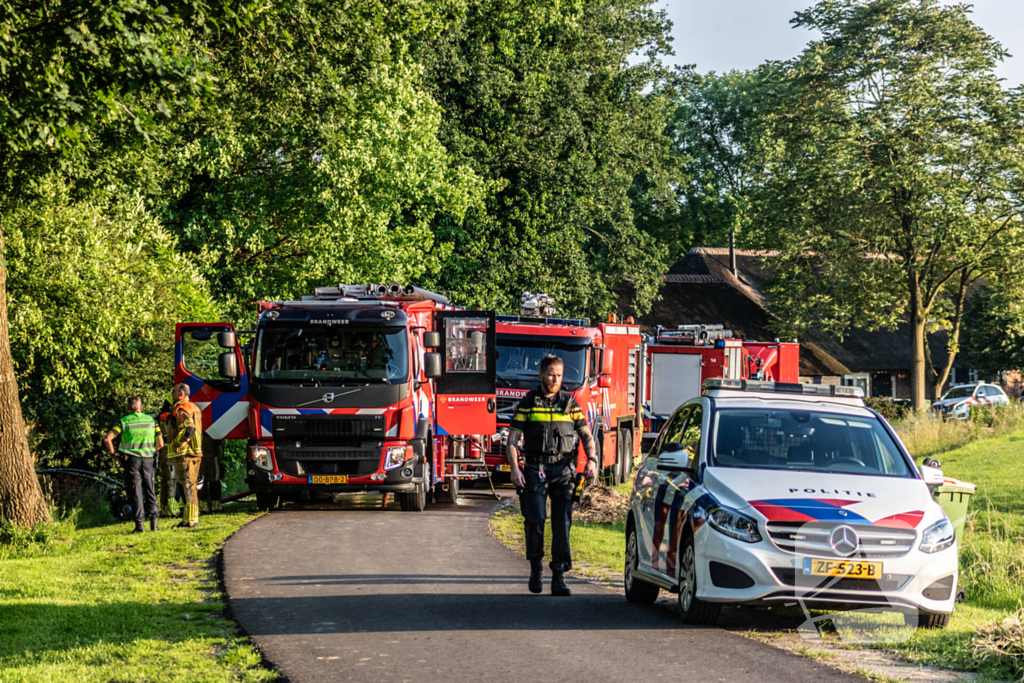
720, 35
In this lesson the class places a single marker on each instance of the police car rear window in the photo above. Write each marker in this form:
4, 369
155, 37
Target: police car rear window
805, 440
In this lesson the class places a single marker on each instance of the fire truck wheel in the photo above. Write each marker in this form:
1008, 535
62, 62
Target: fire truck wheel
451, 495
267, 501
415, 501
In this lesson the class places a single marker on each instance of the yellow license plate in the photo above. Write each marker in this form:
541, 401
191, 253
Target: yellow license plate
328, 479
846, 568
504, 468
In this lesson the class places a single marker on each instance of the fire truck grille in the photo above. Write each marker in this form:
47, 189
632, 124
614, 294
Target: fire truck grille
812, 538
888, 582
370, 451
507, 404
328, 430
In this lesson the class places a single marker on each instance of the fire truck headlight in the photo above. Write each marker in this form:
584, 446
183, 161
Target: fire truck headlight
260, 457
395, 456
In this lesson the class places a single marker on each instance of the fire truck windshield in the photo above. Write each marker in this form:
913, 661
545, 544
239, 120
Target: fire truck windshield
518, 363
299, 354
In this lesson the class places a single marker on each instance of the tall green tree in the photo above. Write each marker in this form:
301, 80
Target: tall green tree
894, 180
715, 138
67, 69
318, 160
542, 102
993, 337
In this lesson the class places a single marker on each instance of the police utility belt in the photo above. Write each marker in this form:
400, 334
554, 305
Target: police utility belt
545, 458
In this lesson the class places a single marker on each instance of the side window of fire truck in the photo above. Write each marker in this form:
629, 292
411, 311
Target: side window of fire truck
466, 344
200, 352
595, 362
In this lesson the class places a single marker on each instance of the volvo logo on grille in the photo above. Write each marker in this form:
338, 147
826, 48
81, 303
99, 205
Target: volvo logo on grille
328, 397
844, 541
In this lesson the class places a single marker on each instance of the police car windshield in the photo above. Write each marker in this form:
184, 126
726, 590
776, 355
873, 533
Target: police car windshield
805, 440
518, 363
958, 392
301, 354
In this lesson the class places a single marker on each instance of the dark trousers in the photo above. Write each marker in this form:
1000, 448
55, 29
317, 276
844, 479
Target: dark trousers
142, 488
556, 484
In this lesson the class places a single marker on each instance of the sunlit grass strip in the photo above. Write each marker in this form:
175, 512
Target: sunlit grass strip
104, 605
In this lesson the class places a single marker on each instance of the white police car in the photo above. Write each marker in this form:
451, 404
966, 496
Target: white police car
769, 493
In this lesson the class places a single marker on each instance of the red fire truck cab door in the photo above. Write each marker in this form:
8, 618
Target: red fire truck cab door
466, 388
224, 402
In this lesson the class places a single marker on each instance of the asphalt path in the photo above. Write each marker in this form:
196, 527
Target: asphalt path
355, 592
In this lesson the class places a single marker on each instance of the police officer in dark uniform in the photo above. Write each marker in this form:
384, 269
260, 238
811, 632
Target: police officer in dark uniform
544, 428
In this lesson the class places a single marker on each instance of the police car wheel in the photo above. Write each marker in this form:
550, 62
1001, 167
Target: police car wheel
925, 619
692, 609
637, 590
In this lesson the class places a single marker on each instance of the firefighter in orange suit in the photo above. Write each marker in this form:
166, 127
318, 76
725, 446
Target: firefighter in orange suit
186, 448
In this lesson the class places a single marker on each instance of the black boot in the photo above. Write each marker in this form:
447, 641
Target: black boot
535, 580
153, 526
558, 586
139, 528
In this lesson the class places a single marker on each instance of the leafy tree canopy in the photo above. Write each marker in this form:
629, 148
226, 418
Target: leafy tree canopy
542, 103
894, 176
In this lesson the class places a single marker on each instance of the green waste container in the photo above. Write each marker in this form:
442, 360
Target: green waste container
954, 496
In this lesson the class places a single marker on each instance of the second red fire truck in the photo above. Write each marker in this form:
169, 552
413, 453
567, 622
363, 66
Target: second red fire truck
602, 371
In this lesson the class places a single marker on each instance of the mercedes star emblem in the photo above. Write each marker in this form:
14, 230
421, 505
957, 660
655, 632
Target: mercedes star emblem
844, 541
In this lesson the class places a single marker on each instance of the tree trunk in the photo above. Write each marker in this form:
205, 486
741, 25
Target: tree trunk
918, 321
21, 499
953, 343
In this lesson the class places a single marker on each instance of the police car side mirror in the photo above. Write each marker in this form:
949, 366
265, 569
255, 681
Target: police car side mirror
673, 458
432, 364
227, 364
431, 340
931, 475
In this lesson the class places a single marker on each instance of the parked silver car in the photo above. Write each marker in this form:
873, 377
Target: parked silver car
958, 401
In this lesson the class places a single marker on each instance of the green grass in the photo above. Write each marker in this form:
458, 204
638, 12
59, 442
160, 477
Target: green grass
991, 555
100, 604
926, 435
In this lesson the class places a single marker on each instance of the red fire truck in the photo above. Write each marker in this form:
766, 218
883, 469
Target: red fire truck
357, 388
602, 370
679, 360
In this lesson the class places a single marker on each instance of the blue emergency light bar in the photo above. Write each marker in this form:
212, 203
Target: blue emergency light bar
784, 388
575, 322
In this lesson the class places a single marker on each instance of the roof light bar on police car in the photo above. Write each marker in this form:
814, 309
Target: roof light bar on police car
783, 388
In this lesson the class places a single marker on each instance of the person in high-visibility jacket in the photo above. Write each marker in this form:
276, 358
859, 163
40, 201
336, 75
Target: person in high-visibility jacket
544, 427
186, 449
139, 443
